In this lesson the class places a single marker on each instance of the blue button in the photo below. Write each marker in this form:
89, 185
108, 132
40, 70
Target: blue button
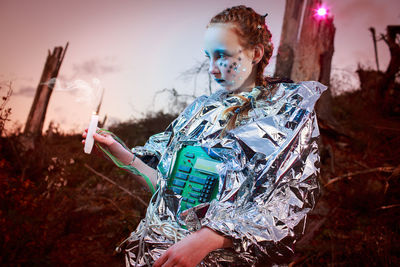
177, 190
212, 178
190, 200
194, 195
184, 168
182, 176
197, 180
179, 183
189, 155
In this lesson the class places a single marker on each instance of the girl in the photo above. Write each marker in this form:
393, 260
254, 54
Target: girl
237, 170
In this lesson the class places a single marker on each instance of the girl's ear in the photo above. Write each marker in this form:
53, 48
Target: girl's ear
258, 53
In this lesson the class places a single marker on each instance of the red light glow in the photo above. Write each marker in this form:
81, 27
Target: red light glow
321, 12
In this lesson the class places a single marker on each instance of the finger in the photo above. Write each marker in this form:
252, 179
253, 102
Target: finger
161, 260
105, 139
83, 141
169, 263
99, 137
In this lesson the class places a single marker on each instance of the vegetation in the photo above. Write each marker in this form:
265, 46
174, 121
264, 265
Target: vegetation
55, 211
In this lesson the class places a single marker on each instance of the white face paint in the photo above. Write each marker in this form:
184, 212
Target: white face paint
230, 64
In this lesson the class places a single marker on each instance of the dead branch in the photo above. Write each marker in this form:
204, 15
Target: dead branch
114, 183
388, 207
113, 204
350, 174
372, 30
194, 73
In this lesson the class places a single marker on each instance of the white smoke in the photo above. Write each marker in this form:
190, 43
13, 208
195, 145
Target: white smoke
84, 91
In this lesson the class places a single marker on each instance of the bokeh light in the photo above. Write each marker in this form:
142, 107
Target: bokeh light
321, 12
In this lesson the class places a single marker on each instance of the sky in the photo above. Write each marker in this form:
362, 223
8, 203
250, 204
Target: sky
133, 49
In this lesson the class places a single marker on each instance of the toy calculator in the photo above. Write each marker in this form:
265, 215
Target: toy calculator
194, 176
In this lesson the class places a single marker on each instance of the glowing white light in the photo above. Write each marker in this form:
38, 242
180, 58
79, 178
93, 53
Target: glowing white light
322, 11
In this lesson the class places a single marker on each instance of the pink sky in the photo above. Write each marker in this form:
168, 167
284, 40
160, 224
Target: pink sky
135, 48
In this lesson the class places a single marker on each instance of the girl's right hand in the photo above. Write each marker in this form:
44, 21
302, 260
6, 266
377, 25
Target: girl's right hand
100, 137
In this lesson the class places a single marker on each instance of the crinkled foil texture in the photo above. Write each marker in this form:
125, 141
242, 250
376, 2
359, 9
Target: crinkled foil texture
268, 178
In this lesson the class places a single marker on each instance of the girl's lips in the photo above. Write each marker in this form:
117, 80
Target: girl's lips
219, 80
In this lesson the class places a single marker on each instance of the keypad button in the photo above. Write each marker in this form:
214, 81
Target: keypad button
184, 168
189, 155
182, 176
190, 200
177, 190
194, 195
196, 179
212, 178
179, 183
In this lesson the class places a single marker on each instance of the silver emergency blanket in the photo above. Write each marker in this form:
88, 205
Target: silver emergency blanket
268, 178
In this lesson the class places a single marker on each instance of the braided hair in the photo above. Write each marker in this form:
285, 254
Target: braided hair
251, 30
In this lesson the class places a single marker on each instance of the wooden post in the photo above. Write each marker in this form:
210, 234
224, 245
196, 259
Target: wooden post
306, 48
373, 33
314, 49
37, 114
289, 37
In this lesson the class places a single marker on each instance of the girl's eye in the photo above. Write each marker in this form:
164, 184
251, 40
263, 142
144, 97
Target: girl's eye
221, 56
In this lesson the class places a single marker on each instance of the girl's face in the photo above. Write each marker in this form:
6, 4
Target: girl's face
230, 64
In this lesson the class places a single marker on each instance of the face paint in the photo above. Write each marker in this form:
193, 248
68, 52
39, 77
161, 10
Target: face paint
230, 63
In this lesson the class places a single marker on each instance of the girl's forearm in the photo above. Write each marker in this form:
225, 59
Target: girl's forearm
213, 239
127, 157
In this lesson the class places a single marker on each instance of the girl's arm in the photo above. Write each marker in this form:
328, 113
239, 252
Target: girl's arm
125, 156
191, 250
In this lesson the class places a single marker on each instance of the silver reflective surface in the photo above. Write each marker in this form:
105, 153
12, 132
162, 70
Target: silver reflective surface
268, 179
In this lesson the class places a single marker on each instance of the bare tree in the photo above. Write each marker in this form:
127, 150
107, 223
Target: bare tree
4, 111
178, 101
37, 114
380, 88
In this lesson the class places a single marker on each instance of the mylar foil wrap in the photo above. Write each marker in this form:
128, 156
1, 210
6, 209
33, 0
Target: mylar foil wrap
268, 180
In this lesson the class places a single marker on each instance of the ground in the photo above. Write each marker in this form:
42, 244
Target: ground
54, 210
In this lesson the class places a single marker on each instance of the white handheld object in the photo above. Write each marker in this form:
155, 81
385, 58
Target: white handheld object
89, 141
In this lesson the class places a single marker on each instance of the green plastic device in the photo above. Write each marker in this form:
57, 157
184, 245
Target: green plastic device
194, 176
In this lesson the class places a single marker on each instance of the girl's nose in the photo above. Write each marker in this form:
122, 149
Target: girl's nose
213, 69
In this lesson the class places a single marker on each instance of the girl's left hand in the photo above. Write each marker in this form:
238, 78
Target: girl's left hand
191, 250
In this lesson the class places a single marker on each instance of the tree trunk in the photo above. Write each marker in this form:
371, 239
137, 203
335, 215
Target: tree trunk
289, 37
306, 49
37, 114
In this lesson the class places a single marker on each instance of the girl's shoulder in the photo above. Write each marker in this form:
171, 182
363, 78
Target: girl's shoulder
301, 94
